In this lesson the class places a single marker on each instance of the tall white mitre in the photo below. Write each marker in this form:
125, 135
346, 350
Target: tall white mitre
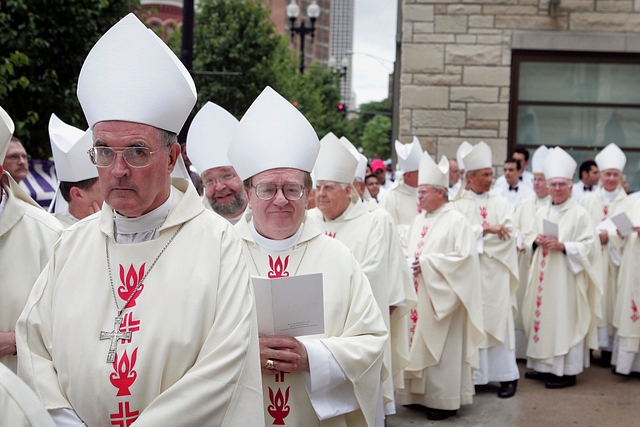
361, 169
434, 174
336, 161
6, 131
209, 137
559, 164
479, 157
69, 146
464, 148
409, 155
611, 157
272, 134
538, 158
131, 75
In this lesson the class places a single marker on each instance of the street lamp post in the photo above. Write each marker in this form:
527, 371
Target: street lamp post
340, 71
293, 11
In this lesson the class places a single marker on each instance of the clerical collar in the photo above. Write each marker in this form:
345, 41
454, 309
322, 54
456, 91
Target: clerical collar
609, 196
477, 196
412, 190
3, 202
144, 227
269, 245
540, 201
555, 209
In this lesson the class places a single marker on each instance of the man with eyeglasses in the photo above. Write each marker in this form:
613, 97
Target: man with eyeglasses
27, 237
603, 203
561, 309
335, 376
208, 141
16, 162
129, 324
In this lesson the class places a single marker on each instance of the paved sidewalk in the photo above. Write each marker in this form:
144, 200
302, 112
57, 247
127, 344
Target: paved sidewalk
600, 399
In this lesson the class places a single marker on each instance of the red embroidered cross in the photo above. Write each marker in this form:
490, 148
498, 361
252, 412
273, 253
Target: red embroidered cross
125, 417
634, 308
279, 377
420, 244
536, 338
129, 325
278, 269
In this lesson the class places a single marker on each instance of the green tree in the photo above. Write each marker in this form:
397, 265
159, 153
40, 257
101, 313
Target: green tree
375, 138
367, 113
42, 47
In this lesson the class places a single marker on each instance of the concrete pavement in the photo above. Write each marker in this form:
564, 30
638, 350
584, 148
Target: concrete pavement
600, 398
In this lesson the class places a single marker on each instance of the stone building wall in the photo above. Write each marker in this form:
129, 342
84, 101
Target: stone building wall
456, 59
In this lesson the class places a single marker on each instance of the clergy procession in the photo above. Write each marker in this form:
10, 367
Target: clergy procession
138, 301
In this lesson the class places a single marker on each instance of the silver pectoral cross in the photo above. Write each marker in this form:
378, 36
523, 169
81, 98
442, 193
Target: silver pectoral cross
114, 336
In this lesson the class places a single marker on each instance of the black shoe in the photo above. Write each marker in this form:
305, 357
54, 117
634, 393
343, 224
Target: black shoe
561, 382
605, 359
535, 375
507, 389
440, 414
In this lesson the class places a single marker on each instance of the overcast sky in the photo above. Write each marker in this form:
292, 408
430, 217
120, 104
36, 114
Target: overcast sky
374, 34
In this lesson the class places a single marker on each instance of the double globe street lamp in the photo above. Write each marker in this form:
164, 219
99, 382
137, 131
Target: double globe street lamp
293, 11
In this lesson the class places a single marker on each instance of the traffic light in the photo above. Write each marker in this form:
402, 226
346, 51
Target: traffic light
342, 108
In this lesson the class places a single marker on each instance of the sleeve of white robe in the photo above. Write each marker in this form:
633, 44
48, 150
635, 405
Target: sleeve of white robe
330, 392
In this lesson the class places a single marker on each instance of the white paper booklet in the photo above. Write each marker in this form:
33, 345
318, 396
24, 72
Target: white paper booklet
549, 228
290, 306
622, 223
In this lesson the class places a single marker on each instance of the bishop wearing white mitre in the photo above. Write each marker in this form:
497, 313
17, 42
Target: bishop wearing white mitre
604, 202
491, 218
128, 323
329, 379
27, 236
445, 346
561, 307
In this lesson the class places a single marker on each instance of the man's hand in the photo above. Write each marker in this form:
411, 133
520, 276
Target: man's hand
415, 267
95, 207
7, 343
549, 243
286, 353
604, 237
503, 232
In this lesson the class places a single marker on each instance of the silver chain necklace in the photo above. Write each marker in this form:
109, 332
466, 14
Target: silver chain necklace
115, 334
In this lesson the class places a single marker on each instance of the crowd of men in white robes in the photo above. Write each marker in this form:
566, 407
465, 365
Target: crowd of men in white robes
131, 301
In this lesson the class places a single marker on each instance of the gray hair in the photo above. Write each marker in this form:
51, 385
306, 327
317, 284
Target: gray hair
167, 138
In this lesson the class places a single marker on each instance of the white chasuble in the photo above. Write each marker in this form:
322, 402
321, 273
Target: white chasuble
449, 329
562, 308
355, 332
401, 293
27, 237
498, 265
186, 352
627, 315
19, 405
600, 211
403, 207
65, 220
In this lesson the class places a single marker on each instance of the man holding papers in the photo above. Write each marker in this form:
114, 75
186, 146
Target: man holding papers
602, 204
331, 378
561, 308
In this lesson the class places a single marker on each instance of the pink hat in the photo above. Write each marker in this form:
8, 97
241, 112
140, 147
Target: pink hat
377, 164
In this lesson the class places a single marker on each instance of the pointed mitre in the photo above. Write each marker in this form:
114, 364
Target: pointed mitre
69, 146
409, 155
538, 158
6, 131
611, 157
209, 137
361, 169
559, 164
463, 149
131, 75
336, 161
433, 174
479, 157
272, 134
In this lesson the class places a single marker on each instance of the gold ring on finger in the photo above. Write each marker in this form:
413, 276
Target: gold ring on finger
268, 364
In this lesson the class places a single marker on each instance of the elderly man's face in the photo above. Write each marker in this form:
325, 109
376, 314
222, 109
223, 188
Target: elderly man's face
133, 192
430, 198
540, 185
560, 190
277, 218
610, 179
331, 198
16, 162
224, 190
454, 172
481, 180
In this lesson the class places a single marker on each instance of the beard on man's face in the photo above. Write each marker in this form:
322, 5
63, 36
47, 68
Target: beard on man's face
228, 208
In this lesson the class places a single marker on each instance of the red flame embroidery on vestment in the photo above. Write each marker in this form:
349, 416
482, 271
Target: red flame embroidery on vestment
125, 376
278, 269
125, 417
279, 408
330, 234
419, 208
129, 284
634, 308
